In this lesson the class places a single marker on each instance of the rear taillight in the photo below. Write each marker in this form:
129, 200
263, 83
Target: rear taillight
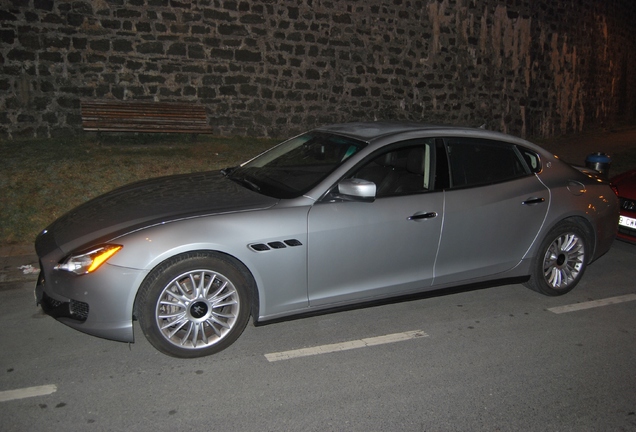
614, 188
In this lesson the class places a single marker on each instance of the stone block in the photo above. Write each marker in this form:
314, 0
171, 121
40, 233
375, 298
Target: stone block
122, 45
206, 93
127, 13
82, 7
75, 19
248, 90
228, 90
5, 15
95, 58
178, 49
177, 29
50, 117
167, 92
21, 55
99, 45
247, 56
145, 79
196, 52
143, 27
221, 54
73, 119
216, 15
29, 40
7, 36
200, 29
168, 16
46, 5
150, 48
232, 30
252, 19
68, 102
110, 24
51, 56
74, 57
169, 69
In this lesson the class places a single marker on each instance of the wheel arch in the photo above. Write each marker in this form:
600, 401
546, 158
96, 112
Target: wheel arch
581, 221
251, 282
586, 225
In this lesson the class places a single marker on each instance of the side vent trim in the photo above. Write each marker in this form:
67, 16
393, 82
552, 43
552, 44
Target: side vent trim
262, 247
276, 245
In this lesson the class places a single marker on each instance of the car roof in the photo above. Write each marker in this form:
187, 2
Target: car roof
370, 131
366, 131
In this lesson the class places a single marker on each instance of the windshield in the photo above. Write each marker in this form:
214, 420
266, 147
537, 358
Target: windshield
294, 167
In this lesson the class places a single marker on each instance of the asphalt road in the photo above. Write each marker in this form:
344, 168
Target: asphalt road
493, 359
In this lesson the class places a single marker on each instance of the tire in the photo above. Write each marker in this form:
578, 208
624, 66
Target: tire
561, 260
193, 305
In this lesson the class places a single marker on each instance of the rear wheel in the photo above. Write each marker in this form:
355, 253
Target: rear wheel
560, 261
194, 305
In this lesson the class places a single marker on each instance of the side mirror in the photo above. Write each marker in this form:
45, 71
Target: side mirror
355, 189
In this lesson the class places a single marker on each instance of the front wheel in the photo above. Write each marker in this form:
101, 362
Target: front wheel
193, 305
560, 261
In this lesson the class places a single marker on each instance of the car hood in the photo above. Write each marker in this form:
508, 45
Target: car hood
626, 184
146, 203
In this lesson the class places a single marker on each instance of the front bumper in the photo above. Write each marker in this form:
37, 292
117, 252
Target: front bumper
100, 304
627, 232
71, 309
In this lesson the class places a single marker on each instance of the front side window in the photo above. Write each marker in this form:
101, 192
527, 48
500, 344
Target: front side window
400, 171
294, 167
475, 162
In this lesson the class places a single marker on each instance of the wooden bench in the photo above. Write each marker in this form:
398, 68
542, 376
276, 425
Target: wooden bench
148, 117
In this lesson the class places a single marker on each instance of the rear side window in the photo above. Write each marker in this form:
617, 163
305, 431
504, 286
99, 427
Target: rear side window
475, 162
531, 158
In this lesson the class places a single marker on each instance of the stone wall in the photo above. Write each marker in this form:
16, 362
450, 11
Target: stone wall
276, 67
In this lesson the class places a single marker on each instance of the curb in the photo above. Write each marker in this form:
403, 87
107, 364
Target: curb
18, 263
16, 250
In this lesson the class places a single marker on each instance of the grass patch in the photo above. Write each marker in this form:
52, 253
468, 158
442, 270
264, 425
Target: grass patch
41, 179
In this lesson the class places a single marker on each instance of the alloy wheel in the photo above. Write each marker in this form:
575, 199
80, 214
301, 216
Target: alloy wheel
197, 309
564, 260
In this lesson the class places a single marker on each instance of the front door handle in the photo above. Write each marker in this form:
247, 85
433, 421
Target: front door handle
419, 216
532, 201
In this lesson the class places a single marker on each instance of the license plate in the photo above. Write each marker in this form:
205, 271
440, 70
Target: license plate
627, 222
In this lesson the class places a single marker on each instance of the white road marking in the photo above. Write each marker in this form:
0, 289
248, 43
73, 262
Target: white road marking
27, 392
592, 304
343, 346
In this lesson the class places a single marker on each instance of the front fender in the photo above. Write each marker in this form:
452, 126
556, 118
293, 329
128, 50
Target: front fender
278, 271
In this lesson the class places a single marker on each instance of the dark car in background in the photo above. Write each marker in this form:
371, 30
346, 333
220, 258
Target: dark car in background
625, 185
338, 216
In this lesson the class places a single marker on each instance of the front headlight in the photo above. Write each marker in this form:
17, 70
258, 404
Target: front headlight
86, 262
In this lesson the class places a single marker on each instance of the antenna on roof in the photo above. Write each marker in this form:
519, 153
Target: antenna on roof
483, 126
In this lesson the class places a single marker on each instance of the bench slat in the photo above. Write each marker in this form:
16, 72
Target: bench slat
158, 117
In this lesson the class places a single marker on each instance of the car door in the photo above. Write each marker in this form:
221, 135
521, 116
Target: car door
360, 250
494, 208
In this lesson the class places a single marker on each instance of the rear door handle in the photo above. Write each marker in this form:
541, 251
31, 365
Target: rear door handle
419, 216
532, 201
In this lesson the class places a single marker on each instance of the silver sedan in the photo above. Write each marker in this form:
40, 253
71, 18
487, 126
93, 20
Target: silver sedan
338, 216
